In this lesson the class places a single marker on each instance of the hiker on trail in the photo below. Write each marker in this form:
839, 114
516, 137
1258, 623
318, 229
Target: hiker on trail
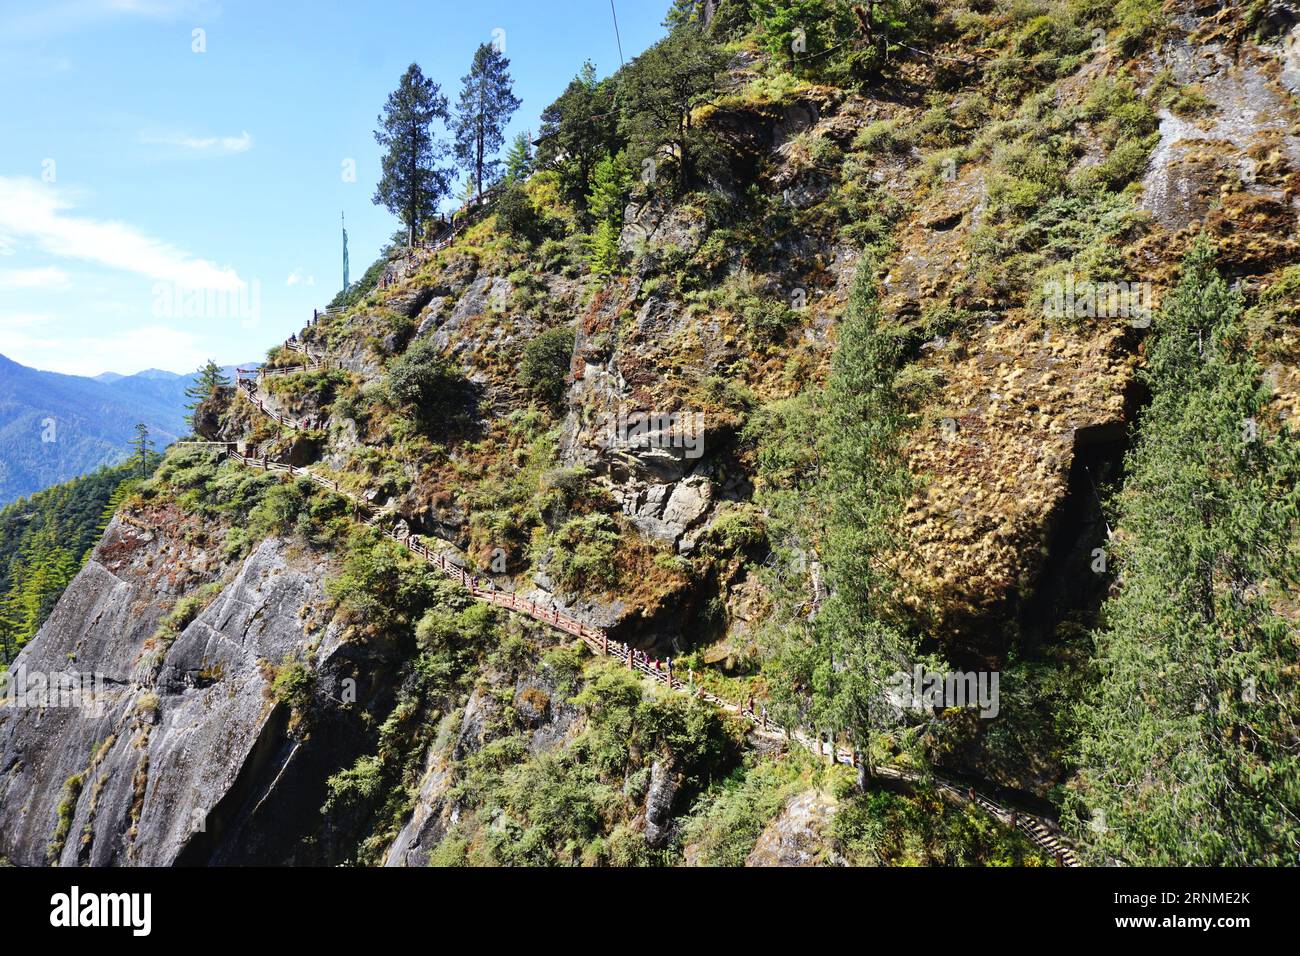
670, 672
750, 708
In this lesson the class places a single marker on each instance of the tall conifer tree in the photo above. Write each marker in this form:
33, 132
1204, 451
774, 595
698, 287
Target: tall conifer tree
487, 101
412, 183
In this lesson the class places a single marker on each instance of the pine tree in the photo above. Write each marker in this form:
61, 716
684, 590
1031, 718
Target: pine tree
1189, 752
833, 670
468, 192
207, 380
578, 129
867, 482
119, 495
486, 103
609, 190
660, 92
519, 159
841, 40
44, 541
10, 641
412, 184
142, 453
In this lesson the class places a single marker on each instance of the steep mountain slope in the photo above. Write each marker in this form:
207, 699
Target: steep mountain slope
44, 540
820, 415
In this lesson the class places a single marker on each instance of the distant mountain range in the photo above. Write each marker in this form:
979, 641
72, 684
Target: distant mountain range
56, 427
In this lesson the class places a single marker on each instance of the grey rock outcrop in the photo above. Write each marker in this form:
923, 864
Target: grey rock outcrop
798, 836
659, 824
185, 757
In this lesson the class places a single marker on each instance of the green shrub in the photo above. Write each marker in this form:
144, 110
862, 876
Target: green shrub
294, 684
278, 511
544, 367
425, 383
730, 816
883, 828
582, 552
884, 136
517, 217
356, 786
737, 528
1137, 20
381, 588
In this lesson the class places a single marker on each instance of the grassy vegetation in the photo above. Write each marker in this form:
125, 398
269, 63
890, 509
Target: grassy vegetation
577, 806
67, 807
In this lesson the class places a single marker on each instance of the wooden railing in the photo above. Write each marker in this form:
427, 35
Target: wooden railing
246, 381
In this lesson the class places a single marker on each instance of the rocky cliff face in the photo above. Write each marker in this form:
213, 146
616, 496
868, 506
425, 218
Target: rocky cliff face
185, 755
230, 697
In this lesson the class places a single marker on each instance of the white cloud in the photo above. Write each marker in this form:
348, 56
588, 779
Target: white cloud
127, 352
212, 145
36, 214
297, 278
46, 278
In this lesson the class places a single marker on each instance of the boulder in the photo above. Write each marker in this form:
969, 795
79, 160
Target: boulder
799, 834
664, 784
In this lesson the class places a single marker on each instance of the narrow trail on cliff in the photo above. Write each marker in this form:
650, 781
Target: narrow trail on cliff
1041, 831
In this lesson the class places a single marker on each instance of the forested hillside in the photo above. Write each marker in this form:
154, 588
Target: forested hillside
44, 541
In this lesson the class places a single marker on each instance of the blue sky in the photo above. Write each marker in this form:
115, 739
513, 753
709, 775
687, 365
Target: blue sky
135, 170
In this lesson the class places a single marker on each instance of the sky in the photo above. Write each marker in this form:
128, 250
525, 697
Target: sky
172, 172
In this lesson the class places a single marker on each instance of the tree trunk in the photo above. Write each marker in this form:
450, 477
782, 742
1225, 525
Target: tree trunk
412, 211
482, 137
